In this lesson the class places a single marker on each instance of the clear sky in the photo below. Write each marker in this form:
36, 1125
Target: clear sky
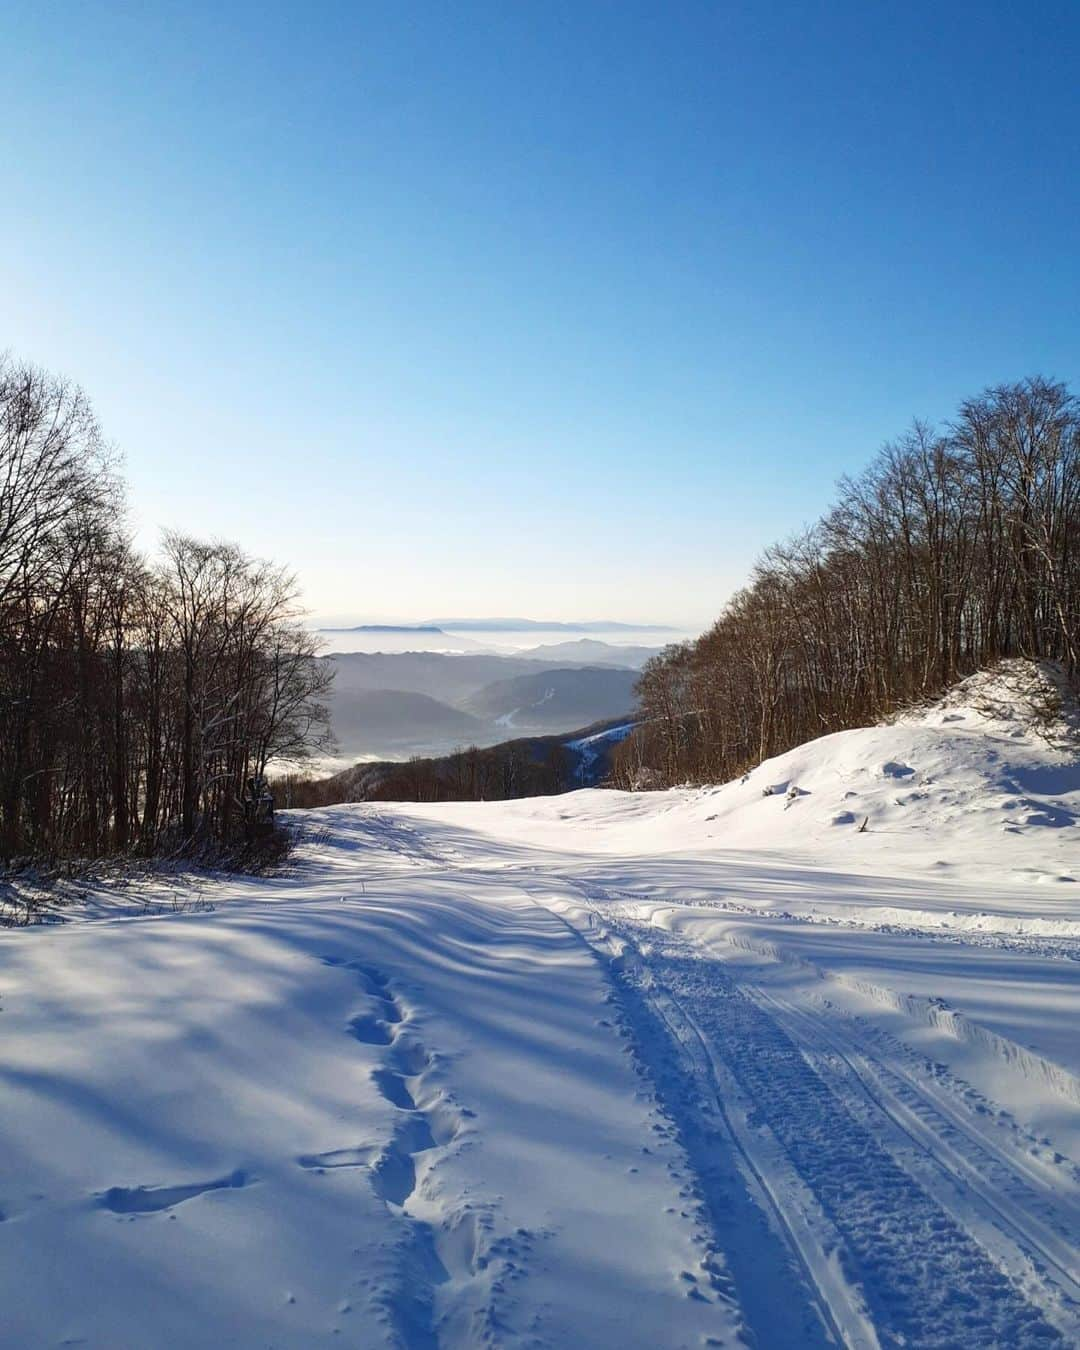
555, 309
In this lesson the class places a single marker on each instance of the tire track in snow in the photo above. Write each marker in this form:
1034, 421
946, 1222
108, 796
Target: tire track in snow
925, 1279
750, 1251
1027, 1234
929, 1270
827, 1295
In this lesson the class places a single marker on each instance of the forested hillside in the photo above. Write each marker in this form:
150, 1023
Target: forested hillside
529, 766
137, 697
557, 700
430, 703
957, 547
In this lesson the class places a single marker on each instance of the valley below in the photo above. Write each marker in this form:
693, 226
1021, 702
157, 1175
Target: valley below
393, 705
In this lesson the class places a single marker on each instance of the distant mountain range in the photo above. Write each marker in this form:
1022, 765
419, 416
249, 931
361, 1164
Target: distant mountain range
401, 722
497, 626
589, 652
544, 626
385, 628
522, 767
398, 704
555, 700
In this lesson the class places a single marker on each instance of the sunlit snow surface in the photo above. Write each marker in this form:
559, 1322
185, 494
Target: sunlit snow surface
676, 1069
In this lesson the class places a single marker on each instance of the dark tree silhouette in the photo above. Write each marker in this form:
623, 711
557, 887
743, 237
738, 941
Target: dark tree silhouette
136, 698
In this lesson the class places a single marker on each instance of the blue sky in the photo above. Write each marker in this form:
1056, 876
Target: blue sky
561, 310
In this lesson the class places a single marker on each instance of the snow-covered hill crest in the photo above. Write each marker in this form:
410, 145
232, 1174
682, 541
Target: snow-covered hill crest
998, 753
987, 778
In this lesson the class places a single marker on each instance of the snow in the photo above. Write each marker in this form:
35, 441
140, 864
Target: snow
592, 745
665, 1069
322, 1108
941, 785
591, 748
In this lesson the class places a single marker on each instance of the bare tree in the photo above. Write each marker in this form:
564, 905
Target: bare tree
135, 700
955, 549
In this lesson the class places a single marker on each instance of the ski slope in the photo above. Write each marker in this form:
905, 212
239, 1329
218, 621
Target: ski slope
676, 1069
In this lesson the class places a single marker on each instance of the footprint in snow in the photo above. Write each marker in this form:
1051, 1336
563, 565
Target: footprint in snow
154, 1199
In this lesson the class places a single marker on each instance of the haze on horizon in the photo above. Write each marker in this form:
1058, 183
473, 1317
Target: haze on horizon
489, 622
518, 310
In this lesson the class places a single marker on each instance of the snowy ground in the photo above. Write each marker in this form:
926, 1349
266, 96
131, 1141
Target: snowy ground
665, 1070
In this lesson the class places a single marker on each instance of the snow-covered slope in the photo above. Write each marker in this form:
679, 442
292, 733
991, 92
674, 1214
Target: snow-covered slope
950, 778
334, 1112
941, 786
661, 1070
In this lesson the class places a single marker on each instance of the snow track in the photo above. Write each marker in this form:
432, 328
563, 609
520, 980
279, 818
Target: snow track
1020, 1219
762, 1241
534, 1090
904, 1223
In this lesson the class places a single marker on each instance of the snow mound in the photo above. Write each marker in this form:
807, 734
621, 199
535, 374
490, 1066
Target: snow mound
1016, 698
987, 776
997, 755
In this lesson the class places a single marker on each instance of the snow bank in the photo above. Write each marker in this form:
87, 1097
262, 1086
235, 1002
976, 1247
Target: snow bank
979, 780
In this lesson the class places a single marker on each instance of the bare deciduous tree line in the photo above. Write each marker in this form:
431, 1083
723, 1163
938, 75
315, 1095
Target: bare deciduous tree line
136, 698
956, 548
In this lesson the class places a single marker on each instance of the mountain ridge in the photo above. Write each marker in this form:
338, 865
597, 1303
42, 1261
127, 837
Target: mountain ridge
475, 694
495, 625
